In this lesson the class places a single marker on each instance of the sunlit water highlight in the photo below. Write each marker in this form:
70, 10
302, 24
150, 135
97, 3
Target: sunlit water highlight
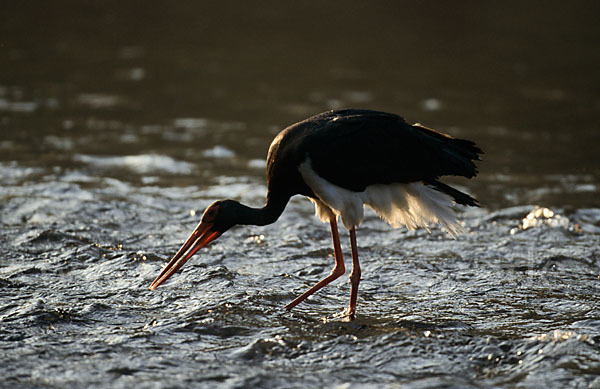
513, 300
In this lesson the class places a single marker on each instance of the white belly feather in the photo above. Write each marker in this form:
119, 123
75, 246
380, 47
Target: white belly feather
412, 205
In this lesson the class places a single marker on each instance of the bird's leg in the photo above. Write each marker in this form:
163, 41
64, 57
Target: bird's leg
354, 275
336, 272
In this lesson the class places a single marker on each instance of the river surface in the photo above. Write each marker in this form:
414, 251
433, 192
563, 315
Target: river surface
121, 121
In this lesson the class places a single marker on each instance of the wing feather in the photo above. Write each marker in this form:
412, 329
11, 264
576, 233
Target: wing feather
357, 148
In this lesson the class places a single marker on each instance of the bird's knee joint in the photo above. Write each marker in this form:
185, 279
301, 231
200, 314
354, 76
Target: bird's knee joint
338, 271
355, 276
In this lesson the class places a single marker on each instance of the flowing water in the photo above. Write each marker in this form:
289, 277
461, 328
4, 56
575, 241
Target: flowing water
120, 122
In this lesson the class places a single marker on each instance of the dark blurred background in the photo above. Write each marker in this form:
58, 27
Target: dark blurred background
105, 78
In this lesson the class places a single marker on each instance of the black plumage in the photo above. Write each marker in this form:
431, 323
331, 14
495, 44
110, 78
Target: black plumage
356, 148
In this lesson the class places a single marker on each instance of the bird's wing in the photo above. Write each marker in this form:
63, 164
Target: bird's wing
354, 149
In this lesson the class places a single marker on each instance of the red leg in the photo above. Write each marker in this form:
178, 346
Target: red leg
336, 272
354, 275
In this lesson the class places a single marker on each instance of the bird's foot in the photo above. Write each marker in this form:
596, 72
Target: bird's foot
350, 314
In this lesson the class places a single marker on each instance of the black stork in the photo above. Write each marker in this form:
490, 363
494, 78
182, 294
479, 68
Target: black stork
342, 160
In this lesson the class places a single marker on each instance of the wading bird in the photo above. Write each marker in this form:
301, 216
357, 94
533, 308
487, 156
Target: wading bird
342, 160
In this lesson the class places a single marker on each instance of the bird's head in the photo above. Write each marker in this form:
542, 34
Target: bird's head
217, 218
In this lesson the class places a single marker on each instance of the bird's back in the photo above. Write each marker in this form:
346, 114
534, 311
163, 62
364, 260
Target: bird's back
357, 148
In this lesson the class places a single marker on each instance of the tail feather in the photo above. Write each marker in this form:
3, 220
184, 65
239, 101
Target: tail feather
460, 154
458, 196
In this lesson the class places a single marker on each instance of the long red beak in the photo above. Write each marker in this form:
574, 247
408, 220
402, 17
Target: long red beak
202, 235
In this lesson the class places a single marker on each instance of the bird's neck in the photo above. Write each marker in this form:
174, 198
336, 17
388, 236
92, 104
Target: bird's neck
268, 214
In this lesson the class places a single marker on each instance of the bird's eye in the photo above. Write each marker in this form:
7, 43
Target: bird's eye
210, 214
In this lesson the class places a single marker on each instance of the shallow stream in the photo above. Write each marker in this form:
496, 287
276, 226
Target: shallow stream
119, 124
